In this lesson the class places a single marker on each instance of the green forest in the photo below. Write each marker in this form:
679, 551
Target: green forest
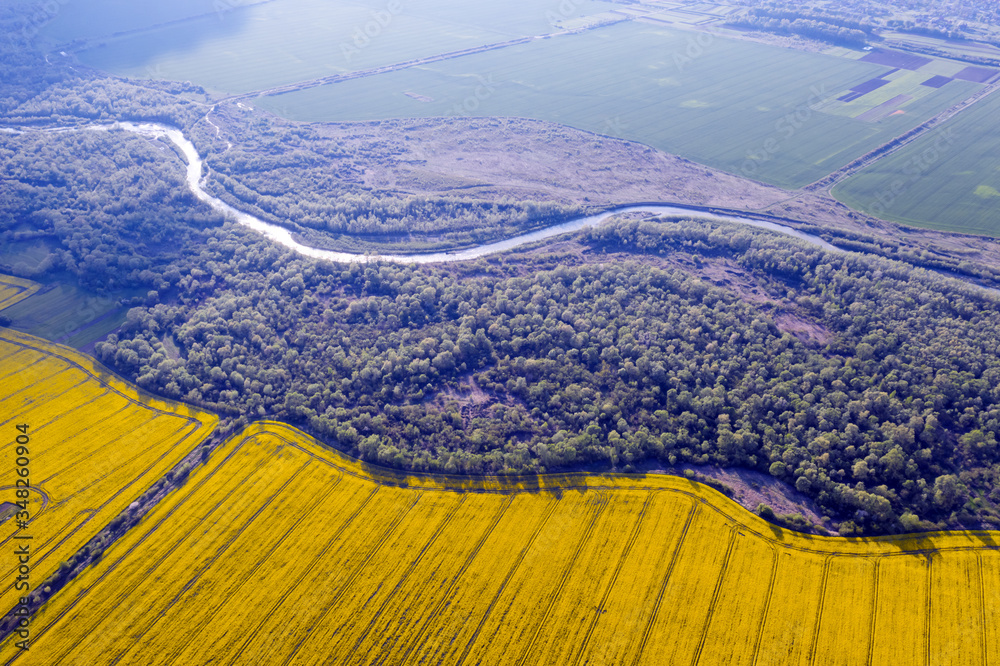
549, 362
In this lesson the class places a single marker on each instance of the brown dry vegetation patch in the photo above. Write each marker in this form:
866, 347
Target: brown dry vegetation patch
808, 332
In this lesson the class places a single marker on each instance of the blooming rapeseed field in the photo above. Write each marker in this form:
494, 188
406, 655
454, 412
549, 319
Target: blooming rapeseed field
13, 290
281, 551
78, 447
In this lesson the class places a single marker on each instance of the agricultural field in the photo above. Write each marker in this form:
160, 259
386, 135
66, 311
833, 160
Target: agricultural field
236, 47
91, 445
14, 290
767, 113
67, 314
280, 551
948, 179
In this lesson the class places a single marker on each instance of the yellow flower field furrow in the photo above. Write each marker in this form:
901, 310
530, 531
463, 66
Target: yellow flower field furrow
251, 608
244, 579
848, 604
787, 635
80, 455
735, 626
236, 526
901, 611
690, 592
956, 611
14, 290
560, 632
38, 388
157, 555
278, 550
989, 565
411, 609
14, 359
520, 610
76, 398
311, 600
616, 634
350, 613
472, 599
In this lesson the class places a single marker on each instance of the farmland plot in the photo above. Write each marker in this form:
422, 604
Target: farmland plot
14, 290
281, 551
85, 444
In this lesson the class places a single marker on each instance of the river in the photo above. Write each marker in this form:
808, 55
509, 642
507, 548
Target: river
284, 237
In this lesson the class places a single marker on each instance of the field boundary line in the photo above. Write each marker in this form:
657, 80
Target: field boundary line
584, 539
35, 381
389, 531
553, 503
454, 581
295, 584
819, 611
871, 625
767, 603
114, 566
927, 620
614, 578
692, 513
715, 594
53, 399
409, 570
982, 609
218, 553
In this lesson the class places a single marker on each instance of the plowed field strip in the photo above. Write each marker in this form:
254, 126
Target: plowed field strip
663, 586
819, 610
354, 574
871, 624
614, 579
436, 612
510, 574
584, 540
767, 604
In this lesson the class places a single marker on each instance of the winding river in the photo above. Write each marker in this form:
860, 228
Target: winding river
284, 237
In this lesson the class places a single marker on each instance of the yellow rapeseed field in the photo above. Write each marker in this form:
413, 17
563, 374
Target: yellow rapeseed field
13, 290
280, 551
78, 446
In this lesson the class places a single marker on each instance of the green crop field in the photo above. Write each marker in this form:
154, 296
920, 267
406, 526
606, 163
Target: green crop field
948, 179
747, 108
67, 314
244, 46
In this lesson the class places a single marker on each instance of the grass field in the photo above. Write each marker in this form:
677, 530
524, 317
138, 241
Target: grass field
746, 108
92, 446
255, 46
948, 179
14, 290
279, 551
67, 314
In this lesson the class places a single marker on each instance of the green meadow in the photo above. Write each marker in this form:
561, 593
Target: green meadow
230, 46
948, 179
746, 108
